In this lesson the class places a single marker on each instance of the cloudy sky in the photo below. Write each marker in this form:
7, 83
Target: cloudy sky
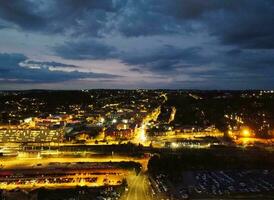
79, 44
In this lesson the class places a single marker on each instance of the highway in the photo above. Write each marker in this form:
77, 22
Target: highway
138, 188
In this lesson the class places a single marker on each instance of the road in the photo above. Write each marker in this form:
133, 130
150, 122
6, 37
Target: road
28, 161
138, 188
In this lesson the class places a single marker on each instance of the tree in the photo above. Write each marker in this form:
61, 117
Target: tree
153, 164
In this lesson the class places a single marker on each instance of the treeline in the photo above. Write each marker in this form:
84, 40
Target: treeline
211, 159
210, 108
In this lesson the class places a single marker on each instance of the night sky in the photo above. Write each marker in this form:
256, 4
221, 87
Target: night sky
176, 44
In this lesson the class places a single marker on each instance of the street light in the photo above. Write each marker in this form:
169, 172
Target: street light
246, 132
174, 145
102, 120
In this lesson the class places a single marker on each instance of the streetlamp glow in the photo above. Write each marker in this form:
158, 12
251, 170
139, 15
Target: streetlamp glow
246, 133
102, 120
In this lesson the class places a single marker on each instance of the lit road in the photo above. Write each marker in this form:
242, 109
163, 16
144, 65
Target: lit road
140, 133
172, 115
32, 162
138, 188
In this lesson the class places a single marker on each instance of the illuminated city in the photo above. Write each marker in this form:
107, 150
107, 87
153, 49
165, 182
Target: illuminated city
117, 143
136, 99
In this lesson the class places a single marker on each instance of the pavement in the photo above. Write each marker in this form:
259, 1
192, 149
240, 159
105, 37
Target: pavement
138, 188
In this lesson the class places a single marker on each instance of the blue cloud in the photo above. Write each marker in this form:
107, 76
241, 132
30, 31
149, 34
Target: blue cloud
247, 23
10, 70
237, 37
85, 49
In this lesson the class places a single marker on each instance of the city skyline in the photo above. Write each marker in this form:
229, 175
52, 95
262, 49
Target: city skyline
189, 44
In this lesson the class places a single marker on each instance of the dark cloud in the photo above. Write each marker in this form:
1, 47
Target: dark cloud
167, 59
22, 13
161, 17
97, 18
238, 68
2, 26
247, 23
10, 70
79, 50
144, 18
236, 64
66, 16
235, 68
32, 63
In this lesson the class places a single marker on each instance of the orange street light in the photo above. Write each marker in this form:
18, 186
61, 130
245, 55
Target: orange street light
246, 132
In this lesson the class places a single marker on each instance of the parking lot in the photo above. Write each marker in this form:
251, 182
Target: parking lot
216, 184
229, 182
60, 179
